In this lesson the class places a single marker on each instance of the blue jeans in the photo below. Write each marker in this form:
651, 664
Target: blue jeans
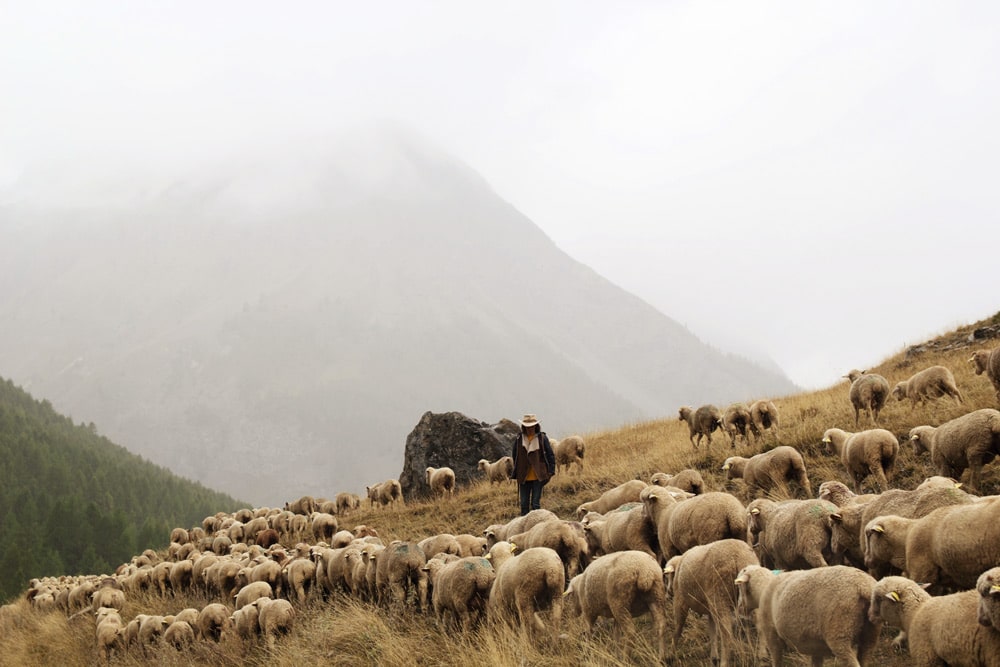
531, 495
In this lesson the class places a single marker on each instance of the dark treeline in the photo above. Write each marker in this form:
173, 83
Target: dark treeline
73, 502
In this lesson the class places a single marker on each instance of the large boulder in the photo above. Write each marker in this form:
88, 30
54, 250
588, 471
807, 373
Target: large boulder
451, 439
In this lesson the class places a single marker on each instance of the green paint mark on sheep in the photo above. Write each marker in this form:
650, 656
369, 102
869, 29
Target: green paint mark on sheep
403, 549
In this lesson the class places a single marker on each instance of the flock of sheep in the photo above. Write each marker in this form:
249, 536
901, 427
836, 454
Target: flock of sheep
818, 576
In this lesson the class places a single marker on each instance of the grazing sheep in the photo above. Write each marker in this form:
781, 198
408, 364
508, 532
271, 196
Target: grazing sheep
305, 505
704, 582
940, 630
988, 588
885, 544
299, 575
526, 585
347, 503
498, 472
871, 452
560, 536
471, 545
109, 632
689, 480
769, 470
970, 441
837, 493
568, 451
498, 532
441, 481
443, 543
736, 423
821, 612
461, 588
701, 422
179, 634
628, 492
702, 519
619, 586
399, 569
626, 529
763, 417
869, 391
274, 617
151, 630
988, 361
252, 591
939, 482
324, 526
245, 622
108, 594
930, 383
213, 621
385, 493
792, 534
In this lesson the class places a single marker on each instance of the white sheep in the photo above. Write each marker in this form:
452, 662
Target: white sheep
706, 518
988, 361
865, 453
347, 502
969, 441
736, 423
930, 383
791, 534
564, 537
769, 470
179, 634
385, 493
627, 492
498, 532
619, 586
689, 480
627, 528
498, 471
109, 632
399, 569
274, 617
441, 481
250, 592
764, 417
869, 391
701, 422
461, 588
569, 451
526, 585
821, 612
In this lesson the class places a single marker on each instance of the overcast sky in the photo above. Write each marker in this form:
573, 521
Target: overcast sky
812, 182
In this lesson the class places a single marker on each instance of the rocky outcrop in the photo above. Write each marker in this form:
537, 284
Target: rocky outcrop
454, 440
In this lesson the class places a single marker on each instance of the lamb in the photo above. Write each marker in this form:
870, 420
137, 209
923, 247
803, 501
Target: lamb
560, 536
793, 534
628, 492
869, 391
930, 383
763, 417
498, 472
526, 585
819, 612
568, 451
385, 493
274, 617
736, 423
626, 529
768, 470
940, 630
988, 361
619, 586
441, 481
970, 441
347, 503
704, 581
400, 568
871, 452
701, 422
461, 588
689, 480
702, 519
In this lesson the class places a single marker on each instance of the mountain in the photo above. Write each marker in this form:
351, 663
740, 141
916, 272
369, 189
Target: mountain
73, 502
274, 327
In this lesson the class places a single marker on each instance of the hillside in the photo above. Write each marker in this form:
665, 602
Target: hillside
345, 631
74, 502
254, 324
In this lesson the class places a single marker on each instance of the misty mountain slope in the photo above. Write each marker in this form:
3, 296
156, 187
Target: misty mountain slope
274, 341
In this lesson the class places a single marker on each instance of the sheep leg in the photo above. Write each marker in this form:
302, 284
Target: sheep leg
680, 618
880, 478
975, 468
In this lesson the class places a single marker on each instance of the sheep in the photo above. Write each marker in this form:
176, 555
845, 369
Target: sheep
763, 417
213, 621
443, 543
619, 586
179, 634
305, 505
768, 470
736, 423
108, 594
498, 472
847, 524
151, 629
970, 441
702, 519
560, 536
471, 545
526, 585
109, 632
245, 622
400, 568
274, 617
689, 480
628, 492
441, 481
704, 581
988, 588
793, 534
837, 493
939, 630
252, 591
385, 493
324, 526
819, 612
340, 565
347, 503
988, 361
298, 576
701, 422
865, 453
461, 588
930, 383
869, 391
497, 532
568, 451
626, 529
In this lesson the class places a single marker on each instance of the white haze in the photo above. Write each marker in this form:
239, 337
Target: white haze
810, 183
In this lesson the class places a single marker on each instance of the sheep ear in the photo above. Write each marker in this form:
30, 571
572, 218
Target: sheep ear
958, 485
994, 589
668, 569
755, 511
893, 595
837, 516
742, 579
725, 466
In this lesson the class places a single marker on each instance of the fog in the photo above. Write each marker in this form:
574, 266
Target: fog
811, 184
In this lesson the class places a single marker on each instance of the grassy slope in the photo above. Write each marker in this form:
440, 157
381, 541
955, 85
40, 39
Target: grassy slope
346, 632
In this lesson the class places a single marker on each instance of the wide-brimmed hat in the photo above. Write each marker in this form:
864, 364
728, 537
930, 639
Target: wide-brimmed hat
529, 420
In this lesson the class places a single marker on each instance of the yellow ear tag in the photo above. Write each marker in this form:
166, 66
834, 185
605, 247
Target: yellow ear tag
668, 569
755, 511
995, 588
894, 596
878, 529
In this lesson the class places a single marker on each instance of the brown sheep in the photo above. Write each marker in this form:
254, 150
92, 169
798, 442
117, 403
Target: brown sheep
736, 423
871, 452
499, 471
930, 383
793, 534
701, 422
970, 441
764, 417
347, 503
568, 451
869, 391
988, 361
385, 493
988, 588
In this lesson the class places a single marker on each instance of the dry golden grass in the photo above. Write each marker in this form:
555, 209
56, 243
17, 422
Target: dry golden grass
345, 631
